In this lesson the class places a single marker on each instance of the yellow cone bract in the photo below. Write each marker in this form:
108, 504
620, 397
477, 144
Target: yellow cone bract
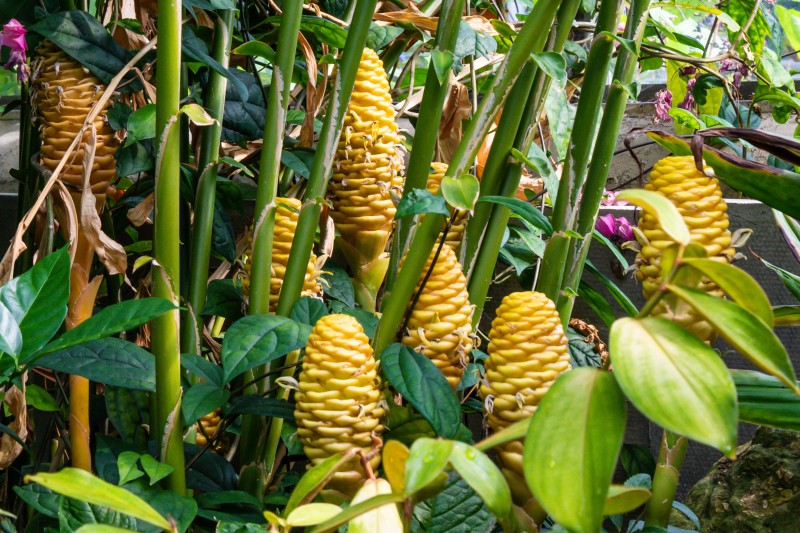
440, 325
527, 352
337, 405
286, 217
698, 198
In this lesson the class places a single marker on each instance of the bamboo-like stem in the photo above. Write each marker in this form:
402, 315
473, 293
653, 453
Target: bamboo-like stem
253, 427
580, 147
326, 148
425, 137
165, 335
665, 479
530, 38
603, 154
192, 331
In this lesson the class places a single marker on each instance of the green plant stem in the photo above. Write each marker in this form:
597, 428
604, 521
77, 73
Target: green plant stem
665, 479
326, 149
530, 39
252, 445
192, 332
165, 340
603, 154
430, 115
580, 147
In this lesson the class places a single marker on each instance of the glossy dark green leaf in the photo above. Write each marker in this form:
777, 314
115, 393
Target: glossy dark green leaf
37, 300
308, 310
637, 459
420, 201
40, 499
461, 192
195, 49
427, 458
10, 334
471, 42
619, 296
660, 207
675, 379
141, 124
424, 386
553, 65
201, 399
223, 236
258, 339
40, 399
569, 460
154, 469
243, 118
74, 514
524, 210
622, 499
456, 509
202, 368
765, 401
484, 477
224, 298
129, 412
252, 404
337, 285
111, 361
113, 319
442, 63
182, 509
748, 334
379, 36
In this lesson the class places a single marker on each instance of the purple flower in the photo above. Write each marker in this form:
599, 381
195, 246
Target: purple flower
618, 230
606, 225
624, 230
13, 37
739, 69
688, 100
663, 105
610, 198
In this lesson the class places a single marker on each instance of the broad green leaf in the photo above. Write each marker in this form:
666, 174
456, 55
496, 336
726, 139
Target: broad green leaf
525, 210
424, 386
675, 379
471, 42
258, 339
665, 211
224, 298
462, 192
623, 499
561, 116
37, 300
40, 499
201, 399
10, 334
129, 412
765, 401
154, 469
113, 319
737, 284
420, 201
83, 486
427, 459
484, 477
101, 528
243, 118
202, 368
308, 310
128, 465
252, 404
314, 480
195, 49
141, 124
182, 509
787, 315
442, 63
553, 65
686, 119
111, 361
196, 115
73, 513
312, 514
256, 49
379, 36
569, 460
456, 509
40, 399
598, 303
337, 285
748, 334
515, 431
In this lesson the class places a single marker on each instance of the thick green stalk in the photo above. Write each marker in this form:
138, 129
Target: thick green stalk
530, 39
425, 136
326, 149
580, 148
252, 445
192, 331
165, 341
592, 193
665, 479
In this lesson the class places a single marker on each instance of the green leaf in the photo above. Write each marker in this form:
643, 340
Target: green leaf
258, 339
312, 514
560, 115
128, 465
765, 401
129, 412
686, 119
10, 334
553, 65
442, 63
100, 528
202, 368
37, 300
379, 36
73, 513
569, 460
111, 361
427, 459
461, 193
523, 209
675, 379
337, 285
597, 302
456, 509
421, 382
748, 334
660, 207
324, 30
195, 49
83, 486
40, 399
201, 399
791, 281
787, 315
421, 201
182, 509
353, 511
41, 499
308, 310
196, 115
484, 477
224, 298
252, 404
141, 124
471, 42
703, 84
629, 44
622, 499
737, 284
82, 37
515, 431
113, 319
619, 296
243, 118
154, 469
314, 480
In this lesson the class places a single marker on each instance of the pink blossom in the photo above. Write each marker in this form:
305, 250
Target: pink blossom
13, 37
624, 230
606, 225
663, 105
688, 100
610, 198
739, 69
618, 230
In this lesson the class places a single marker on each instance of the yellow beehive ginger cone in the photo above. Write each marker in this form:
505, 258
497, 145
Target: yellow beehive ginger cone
440, 325
338, 403
366, 172
698, 198
210, 424
286, 216
527, 352
456, 231
63, 94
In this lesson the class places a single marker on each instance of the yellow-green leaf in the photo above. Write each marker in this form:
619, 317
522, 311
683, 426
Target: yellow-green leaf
622, 499
665, 211
312, 514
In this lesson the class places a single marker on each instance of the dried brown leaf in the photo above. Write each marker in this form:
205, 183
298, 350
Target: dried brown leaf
457, 108
10, 449
140, 214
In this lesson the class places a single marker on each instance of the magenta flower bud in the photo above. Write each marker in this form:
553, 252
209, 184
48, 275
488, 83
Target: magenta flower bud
624, 230
606, 225
688, 100
13, 37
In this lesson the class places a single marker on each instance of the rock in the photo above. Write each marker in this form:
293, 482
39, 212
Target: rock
757, 492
